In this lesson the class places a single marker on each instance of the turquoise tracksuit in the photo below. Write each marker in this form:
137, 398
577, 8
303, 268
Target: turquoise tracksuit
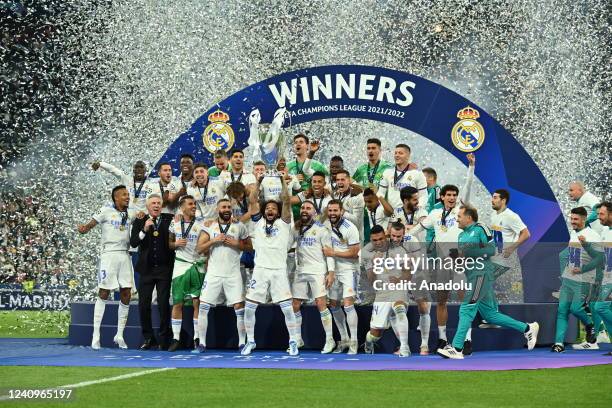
573, 295
474, 243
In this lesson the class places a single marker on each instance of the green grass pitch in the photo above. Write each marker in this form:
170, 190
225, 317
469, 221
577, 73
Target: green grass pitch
583, 386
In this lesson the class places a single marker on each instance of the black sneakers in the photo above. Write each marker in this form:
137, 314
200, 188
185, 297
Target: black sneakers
591, 336
174, 345
557, 348
467, 348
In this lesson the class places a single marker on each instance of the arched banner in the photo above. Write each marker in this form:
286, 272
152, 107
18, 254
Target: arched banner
408, 101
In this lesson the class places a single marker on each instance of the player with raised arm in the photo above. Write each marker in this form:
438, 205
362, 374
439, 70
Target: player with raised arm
136, 185
345, 251
114, 266
446, 234
271, 236
475, 242
400, 176
314, 271
188, 272
224, 240
585, 259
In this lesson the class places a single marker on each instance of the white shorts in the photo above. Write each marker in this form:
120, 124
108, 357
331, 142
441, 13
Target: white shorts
115, 271
273, 280
380, 314
343, 286
216, 289
303, 282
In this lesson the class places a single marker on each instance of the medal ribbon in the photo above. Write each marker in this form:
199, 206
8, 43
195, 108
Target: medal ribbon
372, 172
397, 177
184, 232
139, 189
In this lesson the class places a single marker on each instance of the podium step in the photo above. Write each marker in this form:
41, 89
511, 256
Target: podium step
271, 333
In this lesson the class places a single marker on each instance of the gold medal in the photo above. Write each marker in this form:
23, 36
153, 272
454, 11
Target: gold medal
122, 228
135, 199
155, 233
443, 228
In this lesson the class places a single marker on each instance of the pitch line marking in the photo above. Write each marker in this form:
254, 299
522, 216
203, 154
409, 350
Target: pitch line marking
104, 380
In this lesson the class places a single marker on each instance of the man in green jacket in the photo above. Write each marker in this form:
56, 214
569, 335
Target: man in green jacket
476, 247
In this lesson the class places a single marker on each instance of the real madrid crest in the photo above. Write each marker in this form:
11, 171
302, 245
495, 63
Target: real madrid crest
467, 134
218, 134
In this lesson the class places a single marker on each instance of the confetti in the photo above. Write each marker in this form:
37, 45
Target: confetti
119, 81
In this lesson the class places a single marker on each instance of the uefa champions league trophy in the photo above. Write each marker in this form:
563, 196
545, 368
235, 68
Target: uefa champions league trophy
269, 145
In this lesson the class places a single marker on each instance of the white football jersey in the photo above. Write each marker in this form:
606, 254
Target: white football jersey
138, 192
588, 201
155, 186
115, 228
506, 227
182, 230
271, 242
411, 219
271, 187
245, 177
378, 217
343, 237
309, 250
579, 257
320, 203
207, 197
393, 181
223, 260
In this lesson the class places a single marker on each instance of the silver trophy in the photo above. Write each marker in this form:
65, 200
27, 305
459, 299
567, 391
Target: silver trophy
268, 145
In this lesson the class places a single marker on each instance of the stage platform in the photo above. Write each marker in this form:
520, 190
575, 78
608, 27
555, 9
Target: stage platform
271, 334
56, 352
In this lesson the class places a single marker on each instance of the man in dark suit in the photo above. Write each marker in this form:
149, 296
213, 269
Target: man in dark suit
150, 235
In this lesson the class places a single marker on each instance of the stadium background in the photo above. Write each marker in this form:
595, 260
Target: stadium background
118, 81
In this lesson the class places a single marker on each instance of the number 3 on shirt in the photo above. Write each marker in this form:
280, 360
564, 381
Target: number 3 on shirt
102, 275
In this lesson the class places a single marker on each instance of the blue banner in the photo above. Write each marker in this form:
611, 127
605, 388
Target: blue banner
399, 98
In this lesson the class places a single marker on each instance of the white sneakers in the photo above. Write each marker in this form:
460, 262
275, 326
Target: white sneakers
532, 335
585, 345
404, 352
353, 347
95, 343
341, 346
248, 348
120, 342
450, 352
330, 344
293, 348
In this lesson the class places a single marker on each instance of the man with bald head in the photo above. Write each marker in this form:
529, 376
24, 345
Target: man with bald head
583, 198
150, 236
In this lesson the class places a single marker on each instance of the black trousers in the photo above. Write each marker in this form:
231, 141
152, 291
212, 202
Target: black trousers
160, 281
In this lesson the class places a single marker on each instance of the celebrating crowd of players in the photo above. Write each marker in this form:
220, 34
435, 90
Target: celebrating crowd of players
306, 233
